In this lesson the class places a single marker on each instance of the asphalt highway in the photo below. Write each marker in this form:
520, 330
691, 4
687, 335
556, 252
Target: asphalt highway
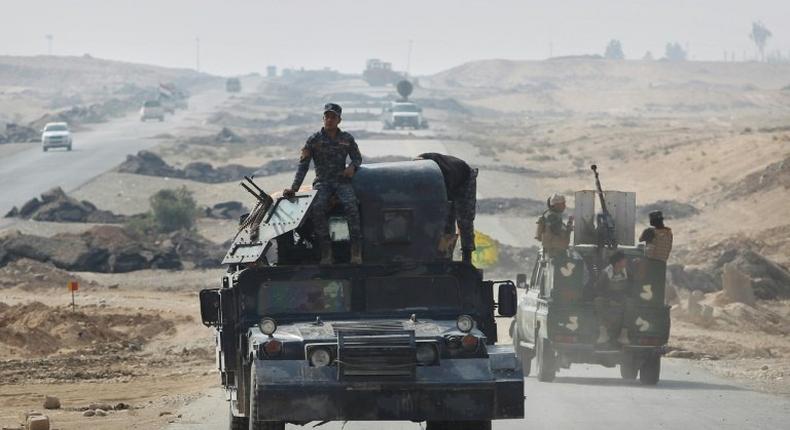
590, 398
26, 174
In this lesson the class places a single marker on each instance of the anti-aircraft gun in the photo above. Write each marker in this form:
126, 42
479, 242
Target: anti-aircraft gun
557, 323
408, 335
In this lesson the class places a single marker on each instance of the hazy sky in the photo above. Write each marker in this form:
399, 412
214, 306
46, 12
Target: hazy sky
241, 36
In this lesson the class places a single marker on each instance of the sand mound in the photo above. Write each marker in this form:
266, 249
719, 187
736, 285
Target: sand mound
34, 275
35, 329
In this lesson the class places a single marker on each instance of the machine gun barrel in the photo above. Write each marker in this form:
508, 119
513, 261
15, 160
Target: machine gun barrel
258, 193
606, 228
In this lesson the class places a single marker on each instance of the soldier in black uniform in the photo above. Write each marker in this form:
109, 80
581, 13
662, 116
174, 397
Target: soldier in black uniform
657, 237
460, 181
329, 149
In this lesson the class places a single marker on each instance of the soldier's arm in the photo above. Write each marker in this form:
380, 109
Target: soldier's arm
304, 165
354, 154
647, 235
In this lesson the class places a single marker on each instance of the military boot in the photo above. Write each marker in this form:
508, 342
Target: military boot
356, 253
326, 253
466, 255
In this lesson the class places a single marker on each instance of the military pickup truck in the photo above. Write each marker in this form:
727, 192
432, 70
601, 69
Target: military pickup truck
407, 335
557, 323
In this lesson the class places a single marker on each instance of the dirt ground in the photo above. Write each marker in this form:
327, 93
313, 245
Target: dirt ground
135, 338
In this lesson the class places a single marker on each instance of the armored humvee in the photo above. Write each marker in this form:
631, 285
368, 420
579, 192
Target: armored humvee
556, 321
407, 335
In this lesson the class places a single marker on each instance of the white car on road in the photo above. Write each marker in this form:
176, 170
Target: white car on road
56, 135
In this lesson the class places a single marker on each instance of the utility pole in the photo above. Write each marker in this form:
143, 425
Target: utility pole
197, 54
49, 38
408, 60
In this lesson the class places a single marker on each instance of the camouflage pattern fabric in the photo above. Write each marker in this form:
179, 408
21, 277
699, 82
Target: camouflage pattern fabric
609, 305
464, 210
329, 157
555, 235
345, 194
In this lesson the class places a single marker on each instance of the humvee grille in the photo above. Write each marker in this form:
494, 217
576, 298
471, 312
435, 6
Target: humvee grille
381, 352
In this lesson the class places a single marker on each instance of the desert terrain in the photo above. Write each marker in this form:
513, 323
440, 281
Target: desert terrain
708, 143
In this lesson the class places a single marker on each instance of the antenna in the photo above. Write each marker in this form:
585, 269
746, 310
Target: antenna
197, 54
49, 38
408, 59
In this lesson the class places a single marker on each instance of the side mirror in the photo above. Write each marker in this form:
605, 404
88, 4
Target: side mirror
506, 299
521, 281
209, 307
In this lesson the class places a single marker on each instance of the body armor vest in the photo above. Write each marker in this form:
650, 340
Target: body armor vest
661, 245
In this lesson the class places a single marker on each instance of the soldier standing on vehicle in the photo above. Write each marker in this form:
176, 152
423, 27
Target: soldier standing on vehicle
460, 180
657, 238
552, 232
610, 290
329, 149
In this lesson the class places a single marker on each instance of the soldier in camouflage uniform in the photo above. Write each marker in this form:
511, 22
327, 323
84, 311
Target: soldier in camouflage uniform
460, 181
329, 149
611, 290
657, 238
552, 232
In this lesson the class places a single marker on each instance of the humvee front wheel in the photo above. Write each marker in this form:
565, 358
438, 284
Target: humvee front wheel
523, 356
254, 401
650, 371
238, 423
628, 369
544, 353
458, 425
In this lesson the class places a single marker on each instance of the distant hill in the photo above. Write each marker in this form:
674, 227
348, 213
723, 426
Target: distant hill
65, 74
598, 85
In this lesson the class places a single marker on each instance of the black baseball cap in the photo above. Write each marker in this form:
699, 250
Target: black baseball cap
333, 107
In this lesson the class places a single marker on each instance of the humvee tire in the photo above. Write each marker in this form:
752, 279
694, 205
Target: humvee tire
238, 423
458, 425
650, 371
521, 354
628, 370
544, 353
259, 425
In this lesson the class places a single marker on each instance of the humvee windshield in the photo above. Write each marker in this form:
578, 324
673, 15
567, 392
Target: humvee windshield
56, 127
375, 294
405, 108
309, 296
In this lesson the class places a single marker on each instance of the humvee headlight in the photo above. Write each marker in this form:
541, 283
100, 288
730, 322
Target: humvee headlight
320, 357
465, 323
426, 354
268, 326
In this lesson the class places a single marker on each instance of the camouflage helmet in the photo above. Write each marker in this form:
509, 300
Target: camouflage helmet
556, 199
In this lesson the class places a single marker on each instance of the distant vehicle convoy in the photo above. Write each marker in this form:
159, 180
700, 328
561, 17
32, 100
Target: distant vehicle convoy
56, 135
152, 109
233, 85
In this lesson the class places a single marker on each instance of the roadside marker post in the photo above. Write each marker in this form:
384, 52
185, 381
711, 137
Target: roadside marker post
73, 286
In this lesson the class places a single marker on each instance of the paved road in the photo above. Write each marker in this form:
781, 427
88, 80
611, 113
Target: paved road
27, 173
591, 398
